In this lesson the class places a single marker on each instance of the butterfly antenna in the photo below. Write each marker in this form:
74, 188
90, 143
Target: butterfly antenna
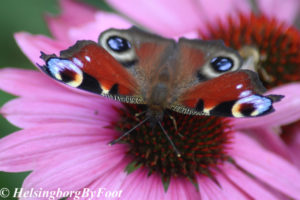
169, 139
126, 133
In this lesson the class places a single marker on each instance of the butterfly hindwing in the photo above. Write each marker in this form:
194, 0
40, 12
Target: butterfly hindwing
235, 94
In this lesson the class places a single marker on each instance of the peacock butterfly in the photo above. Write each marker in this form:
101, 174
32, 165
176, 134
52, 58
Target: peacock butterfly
192, 77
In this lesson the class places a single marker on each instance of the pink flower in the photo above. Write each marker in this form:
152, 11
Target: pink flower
269, 34
65, 132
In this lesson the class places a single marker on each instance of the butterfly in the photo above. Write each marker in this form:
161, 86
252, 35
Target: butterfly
188, 76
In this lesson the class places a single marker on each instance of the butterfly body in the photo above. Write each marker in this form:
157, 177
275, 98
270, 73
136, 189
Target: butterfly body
192, 77
164, 85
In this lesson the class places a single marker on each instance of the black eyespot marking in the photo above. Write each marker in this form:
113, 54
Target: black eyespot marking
199, 105
114, 90
223, 109
221, 64
246, 109
68, 75
118, 44
90, 84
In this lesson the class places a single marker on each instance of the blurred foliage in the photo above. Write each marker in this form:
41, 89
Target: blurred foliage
16, 16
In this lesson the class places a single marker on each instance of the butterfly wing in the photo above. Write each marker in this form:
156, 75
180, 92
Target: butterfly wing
112, 67
144, 59
191, 76
88, 66
219, 86
235, 94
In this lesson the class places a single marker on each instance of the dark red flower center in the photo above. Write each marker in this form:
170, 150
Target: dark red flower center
276, 45
200, 140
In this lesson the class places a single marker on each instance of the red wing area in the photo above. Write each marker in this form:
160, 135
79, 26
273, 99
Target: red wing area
237, 94
88, 66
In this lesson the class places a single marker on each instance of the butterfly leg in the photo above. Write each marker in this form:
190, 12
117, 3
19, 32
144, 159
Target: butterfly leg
137, 115
175, 125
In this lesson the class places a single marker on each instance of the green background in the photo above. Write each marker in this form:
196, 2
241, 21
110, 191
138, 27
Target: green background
16, 16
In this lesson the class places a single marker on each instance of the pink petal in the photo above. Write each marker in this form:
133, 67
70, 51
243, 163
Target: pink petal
214, 10
88, 28
102, 22
36, 112
271, 140
180, 189
190, 35
75, 172
73, 14
49, 102
76, 13
156, 191
162, 16
209, 190
111, 180
266, 166
291, 136
286, 111
34, 84
21, 82
286, 11
138, 185
33, 45
32, 148
246, 183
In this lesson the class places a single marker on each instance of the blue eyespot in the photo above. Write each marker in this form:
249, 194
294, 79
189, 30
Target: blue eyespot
118, 44
221, 64
66, 71
252, 106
